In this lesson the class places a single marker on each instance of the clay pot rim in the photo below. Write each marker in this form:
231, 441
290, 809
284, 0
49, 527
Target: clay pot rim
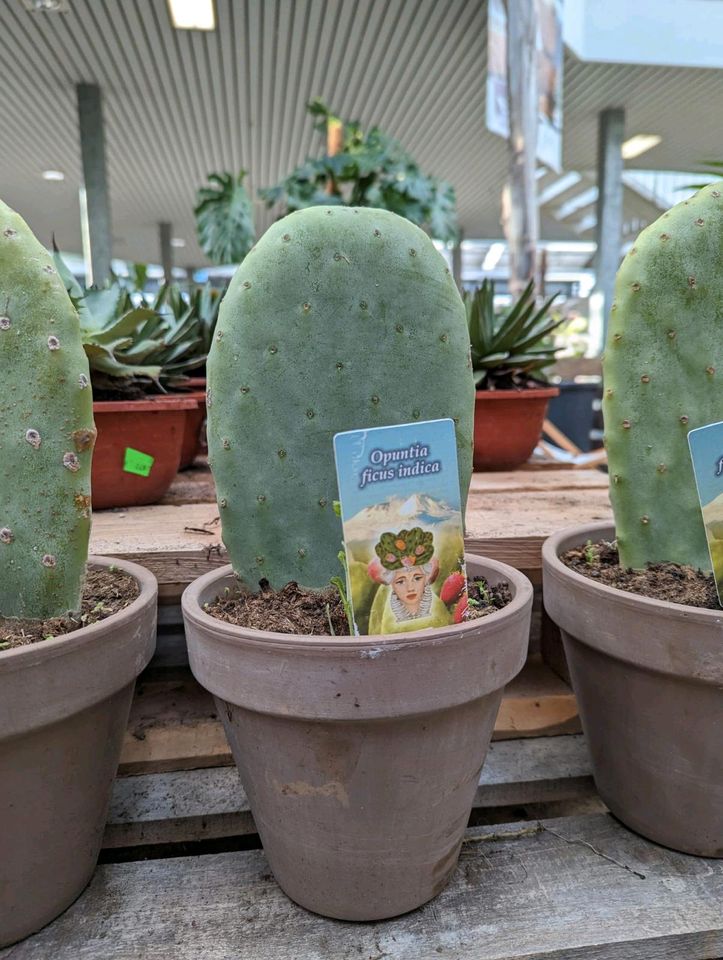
354, 646
531, 393
164, 403
23, 657
561, 541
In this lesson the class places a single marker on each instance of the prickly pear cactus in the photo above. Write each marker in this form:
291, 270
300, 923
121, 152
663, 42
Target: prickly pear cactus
663, 376
340, 318
46, 433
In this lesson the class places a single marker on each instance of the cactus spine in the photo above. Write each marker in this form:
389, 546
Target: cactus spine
46, 433
662, 378
340, 318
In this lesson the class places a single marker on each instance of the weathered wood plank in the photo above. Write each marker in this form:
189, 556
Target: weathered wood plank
173, 723
576, 888
196, 485
508, 518
210, 803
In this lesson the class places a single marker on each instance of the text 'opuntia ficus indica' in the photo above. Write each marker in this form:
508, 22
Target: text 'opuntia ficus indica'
340, 318
46, 433
663, 376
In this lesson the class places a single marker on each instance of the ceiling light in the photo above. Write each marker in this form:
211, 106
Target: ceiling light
493, 256
46, 6
192, 14
640, 143
53, 175
178, 242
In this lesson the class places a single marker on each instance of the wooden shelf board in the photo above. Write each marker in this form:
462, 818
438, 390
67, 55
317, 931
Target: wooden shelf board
174, 726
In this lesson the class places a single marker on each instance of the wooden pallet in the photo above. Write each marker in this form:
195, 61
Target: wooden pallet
174, 725
572, 887
208, 804
509, 516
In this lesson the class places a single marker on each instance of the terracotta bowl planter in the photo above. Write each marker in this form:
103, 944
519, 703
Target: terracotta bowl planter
155, 427
648, 676
360, 756
507, 426
64, 707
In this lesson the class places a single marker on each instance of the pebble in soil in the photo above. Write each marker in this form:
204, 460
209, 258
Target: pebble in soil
659, 581
297, 610
106, 591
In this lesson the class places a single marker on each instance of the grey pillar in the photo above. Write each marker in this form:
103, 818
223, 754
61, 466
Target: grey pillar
457, 261
609, 227
164, 236
92, 150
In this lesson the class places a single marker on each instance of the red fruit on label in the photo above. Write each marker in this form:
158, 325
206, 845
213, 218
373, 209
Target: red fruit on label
452, 587
460, 610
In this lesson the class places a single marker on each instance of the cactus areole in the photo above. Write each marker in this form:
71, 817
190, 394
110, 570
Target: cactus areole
663, 371
46, 433
339, 318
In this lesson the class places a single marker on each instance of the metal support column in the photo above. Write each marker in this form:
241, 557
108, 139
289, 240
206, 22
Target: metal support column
164, 236
92, 149
609, 227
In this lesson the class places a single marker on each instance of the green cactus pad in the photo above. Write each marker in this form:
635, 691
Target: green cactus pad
340, 318
46, 433
663, 376
416, 545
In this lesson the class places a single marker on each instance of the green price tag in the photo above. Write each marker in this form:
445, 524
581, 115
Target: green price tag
136, 462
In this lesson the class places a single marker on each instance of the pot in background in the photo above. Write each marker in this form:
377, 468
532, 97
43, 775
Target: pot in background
191, 444
508, 425
154, 427
64, 706
648, 677
360, 755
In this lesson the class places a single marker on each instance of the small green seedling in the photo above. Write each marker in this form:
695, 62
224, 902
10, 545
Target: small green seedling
341, 587
590, 554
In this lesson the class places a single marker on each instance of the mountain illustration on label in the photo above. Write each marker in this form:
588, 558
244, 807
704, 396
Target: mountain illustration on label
403, 530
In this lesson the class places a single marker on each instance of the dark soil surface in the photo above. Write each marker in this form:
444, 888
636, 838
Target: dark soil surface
512, 380
295, 609
484, 599
660, 581
106, 592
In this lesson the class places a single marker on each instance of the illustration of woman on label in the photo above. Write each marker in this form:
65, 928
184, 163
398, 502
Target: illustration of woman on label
406, 565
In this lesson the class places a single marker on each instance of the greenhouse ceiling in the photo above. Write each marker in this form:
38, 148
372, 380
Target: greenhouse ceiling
182, 103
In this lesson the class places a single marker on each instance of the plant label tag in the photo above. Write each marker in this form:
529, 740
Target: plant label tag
403, 534
134, 461
706, 450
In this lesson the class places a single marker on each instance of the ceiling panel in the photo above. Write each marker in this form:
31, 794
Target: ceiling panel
180, 104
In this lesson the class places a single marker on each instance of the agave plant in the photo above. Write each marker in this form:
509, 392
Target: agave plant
512, 348
224, 218
134, 346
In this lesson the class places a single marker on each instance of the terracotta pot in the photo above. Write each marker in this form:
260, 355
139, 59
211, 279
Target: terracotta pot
507, 426
360, 756
648, 676
64, 707
191, 444
155, 427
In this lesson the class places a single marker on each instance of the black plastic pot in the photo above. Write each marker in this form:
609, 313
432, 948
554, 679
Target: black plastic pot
572, 411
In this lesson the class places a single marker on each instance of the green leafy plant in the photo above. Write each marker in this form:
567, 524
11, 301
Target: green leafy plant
371, 170
711, 168
224, 218
511, 348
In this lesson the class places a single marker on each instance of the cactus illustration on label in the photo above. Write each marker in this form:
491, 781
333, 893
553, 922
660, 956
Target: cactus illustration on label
46, 433
662, 378
339, 318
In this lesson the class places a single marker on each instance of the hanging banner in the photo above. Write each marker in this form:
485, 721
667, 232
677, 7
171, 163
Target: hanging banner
549, 77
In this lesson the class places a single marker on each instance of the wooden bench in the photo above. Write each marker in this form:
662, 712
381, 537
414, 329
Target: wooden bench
182, 876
